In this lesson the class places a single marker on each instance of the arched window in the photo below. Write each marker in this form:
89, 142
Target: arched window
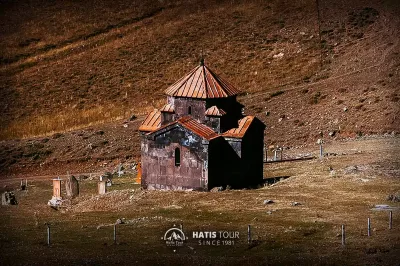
177, 157
190, 110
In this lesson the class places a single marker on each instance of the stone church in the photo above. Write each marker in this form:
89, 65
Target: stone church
199, 139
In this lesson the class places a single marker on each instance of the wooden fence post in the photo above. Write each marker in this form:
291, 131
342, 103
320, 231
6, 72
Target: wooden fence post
248, 234
115, 234
48, 234
369, 226
343, 235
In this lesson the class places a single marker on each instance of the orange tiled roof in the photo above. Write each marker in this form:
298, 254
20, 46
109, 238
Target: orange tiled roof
196, 127
215, 111
202, 83
168, 108
151, 122
239, 132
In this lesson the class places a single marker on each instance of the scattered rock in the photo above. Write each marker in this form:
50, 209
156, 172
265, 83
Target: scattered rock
353, 169
267, 201
332, 133
133, 117
120, 221
345, 109
55, 203
394, 198
295, 203
82, 177
269, 212
280, 55
216, 189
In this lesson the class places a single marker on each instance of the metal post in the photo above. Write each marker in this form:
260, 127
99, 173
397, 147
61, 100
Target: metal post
115, 234
369, 226
181, 226
281, 153
119, 170
275, 151
48, 234
343, 236
321, 152
248, 234
390, 219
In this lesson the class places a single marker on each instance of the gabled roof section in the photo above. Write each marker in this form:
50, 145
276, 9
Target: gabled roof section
197, 128
191, 124
214, 111
239, 132
168, 108
151, 122
202, 83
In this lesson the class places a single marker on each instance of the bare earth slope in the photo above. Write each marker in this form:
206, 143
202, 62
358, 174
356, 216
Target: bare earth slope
70, 70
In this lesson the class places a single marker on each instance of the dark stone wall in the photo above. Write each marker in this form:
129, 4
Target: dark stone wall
167, 118
158, 161
237, 162
231, 107
214, 123
252, 154
224, 164
198, 108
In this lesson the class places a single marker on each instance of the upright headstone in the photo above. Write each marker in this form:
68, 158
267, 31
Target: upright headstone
56, 199
8, 198
72, 187
57, 188
102, 187
120, 172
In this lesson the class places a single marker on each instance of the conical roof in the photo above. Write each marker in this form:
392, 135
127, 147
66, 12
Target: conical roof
202, 83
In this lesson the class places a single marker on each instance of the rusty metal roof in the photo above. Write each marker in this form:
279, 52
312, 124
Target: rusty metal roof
193, 125
151, 122
214, 111
168, 108
197, 128
202, 83
239, 132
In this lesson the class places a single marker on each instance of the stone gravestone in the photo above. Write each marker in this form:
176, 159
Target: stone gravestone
102, 187
56, 199
72, 187
8, 198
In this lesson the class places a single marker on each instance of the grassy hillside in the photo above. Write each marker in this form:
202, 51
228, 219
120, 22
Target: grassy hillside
67, 65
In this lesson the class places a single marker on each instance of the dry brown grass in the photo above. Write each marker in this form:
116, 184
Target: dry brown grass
310, 229
81, 63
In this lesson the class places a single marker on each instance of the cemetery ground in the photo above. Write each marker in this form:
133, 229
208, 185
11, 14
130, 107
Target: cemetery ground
341, 188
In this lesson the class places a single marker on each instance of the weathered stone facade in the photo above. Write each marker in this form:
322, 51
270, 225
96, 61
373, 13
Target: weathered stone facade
199, 139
